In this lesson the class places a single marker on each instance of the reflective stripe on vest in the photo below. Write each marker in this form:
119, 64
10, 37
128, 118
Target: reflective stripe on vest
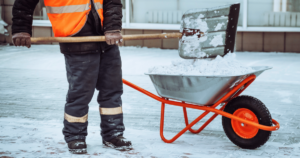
98, 5
99, 8
69, 16
67, 9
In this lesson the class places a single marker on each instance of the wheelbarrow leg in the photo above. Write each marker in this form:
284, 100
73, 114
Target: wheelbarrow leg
204, 125
181, 132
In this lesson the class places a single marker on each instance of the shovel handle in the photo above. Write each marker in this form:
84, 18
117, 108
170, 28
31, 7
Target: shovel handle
102, 38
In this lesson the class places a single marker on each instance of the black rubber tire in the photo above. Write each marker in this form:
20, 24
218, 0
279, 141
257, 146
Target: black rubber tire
261, 112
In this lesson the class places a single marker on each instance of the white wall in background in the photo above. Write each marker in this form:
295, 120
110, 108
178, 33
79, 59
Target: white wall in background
257, 10
283, 5
277, 5
142, 7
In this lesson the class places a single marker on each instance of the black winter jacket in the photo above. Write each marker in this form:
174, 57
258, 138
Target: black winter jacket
112, 11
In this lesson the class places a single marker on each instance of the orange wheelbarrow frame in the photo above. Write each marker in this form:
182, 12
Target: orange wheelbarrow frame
236, 91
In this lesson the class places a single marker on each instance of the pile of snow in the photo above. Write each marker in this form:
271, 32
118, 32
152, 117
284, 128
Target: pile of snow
220, 66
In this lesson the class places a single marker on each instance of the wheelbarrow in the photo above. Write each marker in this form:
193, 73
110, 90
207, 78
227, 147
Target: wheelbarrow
246, 120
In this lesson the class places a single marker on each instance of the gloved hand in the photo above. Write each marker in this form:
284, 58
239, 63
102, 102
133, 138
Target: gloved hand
21, 39
113, 38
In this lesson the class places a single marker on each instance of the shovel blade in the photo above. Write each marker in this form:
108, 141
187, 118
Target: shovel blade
218, 30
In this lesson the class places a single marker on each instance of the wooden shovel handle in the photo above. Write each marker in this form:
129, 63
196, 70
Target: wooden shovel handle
102, 38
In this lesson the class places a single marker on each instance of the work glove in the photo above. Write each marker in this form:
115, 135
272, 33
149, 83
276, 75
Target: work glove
21, 39
113, 38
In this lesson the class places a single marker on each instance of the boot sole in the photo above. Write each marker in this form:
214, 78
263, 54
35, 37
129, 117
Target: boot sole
122, 148
78, 151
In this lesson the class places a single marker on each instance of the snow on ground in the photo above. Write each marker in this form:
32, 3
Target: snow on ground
33, 86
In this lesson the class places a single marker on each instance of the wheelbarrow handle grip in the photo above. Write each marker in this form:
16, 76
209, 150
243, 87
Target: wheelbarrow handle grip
102, 38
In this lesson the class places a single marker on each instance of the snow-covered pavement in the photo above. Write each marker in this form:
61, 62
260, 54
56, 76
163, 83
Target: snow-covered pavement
33, 87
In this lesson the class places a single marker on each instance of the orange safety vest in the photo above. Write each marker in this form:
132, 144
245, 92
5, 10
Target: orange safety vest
69, 16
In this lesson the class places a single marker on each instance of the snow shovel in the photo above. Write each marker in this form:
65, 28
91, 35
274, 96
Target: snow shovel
204, 33
208, 32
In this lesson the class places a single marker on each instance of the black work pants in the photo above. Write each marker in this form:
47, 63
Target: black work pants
85, 72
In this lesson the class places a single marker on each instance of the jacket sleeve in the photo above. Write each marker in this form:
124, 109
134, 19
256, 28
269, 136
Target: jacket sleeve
23, 15
112, 12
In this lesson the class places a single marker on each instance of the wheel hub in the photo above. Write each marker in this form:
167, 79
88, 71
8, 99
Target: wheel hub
243, 130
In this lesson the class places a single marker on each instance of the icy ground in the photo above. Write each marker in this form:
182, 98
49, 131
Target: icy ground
33, 87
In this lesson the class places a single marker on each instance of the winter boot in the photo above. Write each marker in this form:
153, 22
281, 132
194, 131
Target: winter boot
77, 147
119, 143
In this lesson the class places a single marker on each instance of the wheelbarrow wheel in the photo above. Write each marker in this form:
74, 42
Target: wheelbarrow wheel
243, 135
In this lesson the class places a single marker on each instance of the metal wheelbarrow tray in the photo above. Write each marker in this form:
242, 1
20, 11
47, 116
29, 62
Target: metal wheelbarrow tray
246, 121
201, 90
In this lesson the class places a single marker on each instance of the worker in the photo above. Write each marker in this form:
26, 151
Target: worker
89, 65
